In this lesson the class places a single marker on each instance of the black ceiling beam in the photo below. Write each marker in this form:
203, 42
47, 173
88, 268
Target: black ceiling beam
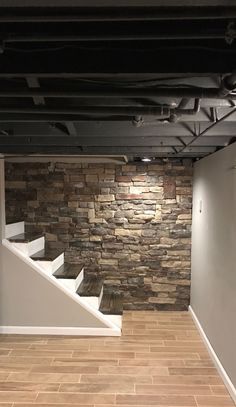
103, 62
98, 150
82, 14
146, 141
115, 92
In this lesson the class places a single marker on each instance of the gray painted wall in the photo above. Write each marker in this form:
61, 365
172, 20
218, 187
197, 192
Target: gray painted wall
213, 289
28, 299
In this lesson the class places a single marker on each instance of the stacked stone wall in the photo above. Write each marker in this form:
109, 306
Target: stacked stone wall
131, 223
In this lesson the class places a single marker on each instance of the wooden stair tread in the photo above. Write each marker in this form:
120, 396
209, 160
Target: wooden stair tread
47, 254
68, 271
111, 304
25, 237
90, 287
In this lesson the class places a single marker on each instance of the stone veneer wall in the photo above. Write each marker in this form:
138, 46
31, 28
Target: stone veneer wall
130, 223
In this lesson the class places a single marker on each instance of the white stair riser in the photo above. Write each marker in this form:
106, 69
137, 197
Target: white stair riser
51, 266
32, 247
79, 279
94, 301
14, 229
116, 319
72, 284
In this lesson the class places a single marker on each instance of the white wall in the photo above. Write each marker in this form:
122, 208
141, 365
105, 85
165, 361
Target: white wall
213, 284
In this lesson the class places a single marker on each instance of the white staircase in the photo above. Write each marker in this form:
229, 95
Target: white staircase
87, 290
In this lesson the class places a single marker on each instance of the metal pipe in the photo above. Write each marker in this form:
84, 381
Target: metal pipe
127, 14
161, 111
200, 93
116, 37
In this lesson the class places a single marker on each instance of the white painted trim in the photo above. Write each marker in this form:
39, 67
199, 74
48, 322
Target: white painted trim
116, 319
214, 357
57, 330
51, 279
14, 229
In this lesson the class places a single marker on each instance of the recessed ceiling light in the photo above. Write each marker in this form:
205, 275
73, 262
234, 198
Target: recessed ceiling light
146, 159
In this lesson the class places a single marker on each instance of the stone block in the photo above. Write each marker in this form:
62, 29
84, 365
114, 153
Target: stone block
91, 178
105, 198
127, 232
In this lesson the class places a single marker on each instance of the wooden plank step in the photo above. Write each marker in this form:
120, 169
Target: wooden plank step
68, 271
90, 287
25, 237
112, 304
47, 254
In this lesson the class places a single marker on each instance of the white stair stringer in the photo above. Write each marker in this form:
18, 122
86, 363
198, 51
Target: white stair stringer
115, 319
109, 328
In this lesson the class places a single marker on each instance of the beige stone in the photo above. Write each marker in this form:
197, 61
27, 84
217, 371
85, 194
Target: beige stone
105, 198
157, 300
185, 216
127, 232
156, 287
111, 262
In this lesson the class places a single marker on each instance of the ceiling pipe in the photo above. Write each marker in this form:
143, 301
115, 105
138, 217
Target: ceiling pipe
135, 111
179, 111
14, 38
161, 111
115, 92
124, 14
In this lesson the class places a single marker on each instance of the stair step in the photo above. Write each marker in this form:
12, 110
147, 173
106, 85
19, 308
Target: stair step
25, 237
68, 271
111, 304
47, 254
90, 287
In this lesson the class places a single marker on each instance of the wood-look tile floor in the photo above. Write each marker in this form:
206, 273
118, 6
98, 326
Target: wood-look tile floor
160, 360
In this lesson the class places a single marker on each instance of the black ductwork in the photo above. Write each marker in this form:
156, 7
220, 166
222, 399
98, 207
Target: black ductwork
162, 111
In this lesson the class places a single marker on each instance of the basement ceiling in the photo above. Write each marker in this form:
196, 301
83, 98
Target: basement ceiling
148, 80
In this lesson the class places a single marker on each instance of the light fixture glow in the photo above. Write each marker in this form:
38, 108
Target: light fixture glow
146, 159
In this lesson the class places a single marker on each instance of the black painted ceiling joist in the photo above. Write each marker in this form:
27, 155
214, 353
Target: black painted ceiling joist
81, 14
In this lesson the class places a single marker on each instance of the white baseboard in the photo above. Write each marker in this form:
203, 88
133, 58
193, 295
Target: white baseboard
54, 330
214, 357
